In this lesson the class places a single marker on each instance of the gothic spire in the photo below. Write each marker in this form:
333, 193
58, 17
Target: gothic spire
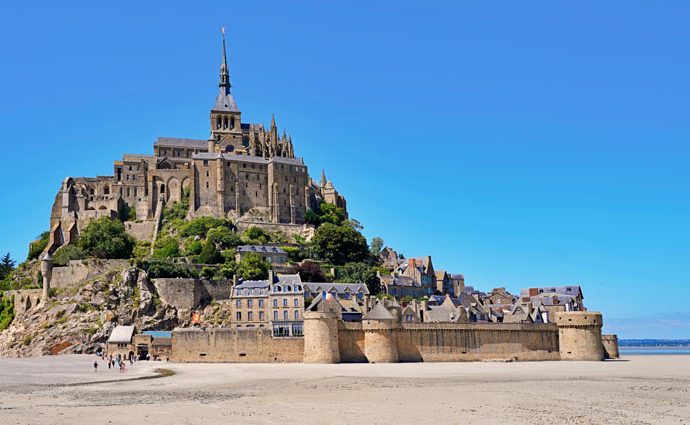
323, 177
224, 73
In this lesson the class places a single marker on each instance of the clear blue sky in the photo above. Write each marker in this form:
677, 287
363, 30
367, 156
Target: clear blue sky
519, 143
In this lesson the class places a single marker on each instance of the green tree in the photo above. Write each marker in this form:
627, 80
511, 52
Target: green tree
36, 247
339, 244
178, 210
6, 265
200, 226
252, 267
6, 312
223, 237
210, 254
106, 238
165, 268
166, 247
375, 247
66, 253
256, 235
193, 248
359, 273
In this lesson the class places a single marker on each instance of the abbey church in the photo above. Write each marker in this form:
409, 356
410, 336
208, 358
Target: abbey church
245, 172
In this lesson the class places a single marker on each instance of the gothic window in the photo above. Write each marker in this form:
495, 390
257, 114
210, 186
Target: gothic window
217, 122
225, 122
232, 122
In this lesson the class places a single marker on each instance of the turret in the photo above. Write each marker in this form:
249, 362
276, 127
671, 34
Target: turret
47, 273
579, 335
380, 342
321, 334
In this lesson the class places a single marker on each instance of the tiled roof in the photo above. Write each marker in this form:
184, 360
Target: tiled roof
260, 249
340, 288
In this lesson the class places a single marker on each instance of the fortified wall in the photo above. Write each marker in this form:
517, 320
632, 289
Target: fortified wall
189, 293
81, 270
327, 339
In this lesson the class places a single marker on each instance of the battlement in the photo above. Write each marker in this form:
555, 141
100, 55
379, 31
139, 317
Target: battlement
578, 319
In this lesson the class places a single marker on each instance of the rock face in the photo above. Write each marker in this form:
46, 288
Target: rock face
79, 319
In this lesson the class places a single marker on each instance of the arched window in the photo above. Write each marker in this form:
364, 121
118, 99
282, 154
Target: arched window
278, 288
232, 122
225, 122
288, 288
218, 122
162, 188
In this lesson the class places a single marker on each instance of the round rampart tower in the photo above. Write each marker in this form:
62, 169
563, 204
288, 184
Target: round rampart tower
610, 343
321, 337
380, 343
579, 335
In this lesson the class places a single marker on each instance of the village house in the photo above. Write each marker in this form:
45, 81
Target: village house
271, 254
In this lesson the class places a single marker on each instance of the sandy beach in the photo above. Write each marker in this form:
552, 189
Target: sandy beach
65, 390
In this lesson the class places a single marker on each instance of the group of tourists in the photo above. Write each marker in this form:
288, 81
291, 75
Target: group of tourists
117, 361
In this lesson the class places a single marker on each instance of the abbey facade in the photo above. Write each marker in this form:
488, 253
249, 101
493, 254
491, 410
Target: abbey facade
244, 172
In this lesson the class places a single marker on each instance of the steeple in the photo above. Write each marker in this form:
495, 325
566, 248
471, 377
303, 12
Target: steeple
224, 100
323, 178
224, 82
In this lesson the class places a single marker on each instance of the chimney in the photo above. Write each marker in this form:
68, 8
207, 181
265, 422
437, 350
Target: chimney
271, 276
533, 292
410, 262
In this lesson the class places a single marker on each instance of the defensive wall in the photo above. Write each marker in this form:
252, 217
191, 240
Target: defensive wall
610, 343
244, 345
579, 335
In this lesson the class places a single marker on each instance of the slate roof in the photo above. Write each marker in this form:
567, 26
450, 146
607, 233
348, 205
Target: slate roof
174, 142
260, 249
121, 335
288, 279
250, 284
225, 102
379, 312
339, 287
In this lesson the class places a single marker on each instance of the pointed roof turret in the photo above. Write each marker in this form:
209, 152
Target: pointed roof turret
323, 178
224, 100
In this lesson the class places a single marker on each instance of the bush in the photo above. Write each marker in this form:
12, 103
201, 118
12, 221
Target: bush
36, 247
208, 272
252, 267
166, 247
142, 249
66, 253
223, 237
326, 213
200, 226
127, 213
178, 210
106, 238
193, 248
164, 268
294, 253
210, 254
6, 313
256, 235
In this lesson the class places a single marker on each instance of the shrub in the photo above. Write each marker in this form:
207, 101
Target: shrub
252, 267
36, 247
193, 248
127, 213
6, 312
178, 210
208, 272
106, 238
210, 254
294, 253
166, 247
142, 249
223, 237
200, 226
163, 268
256, 235
66, 253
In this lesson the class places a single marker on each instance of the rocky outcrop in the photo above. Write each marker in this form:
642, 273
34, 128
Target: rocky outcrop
79, 318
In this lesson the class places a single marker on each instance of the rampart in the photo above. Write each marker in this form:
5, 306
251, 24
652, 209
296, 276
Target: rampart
424, 342
580, 335
234, 345
610, 343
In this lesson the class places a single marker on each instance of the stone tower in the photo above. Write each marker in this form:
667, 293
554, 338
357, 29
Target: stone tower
380, 342
610, 343
321, 336
579, 335
226, 128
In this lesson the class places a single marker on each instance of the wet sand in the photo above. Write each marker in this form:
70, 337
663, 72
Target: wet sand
635, 390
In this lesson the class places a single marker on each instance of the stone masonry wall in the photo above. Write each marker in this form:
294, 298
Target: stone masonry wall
80, 270
235, 345
185, 293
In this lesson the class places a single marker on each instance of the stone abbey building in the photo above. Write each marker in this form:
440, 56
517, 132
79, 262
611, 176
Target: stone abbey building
244, 172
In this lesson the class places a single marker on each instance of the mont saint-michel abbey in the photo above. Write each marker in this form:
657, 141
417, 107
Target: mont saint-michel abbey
245, 172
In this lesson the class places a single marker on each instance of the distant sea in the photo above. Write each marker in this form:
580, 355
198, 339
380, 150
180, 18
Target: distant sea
634, 347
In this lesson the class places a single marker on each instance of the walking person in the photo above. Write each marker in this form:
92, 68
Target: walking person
95, 366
